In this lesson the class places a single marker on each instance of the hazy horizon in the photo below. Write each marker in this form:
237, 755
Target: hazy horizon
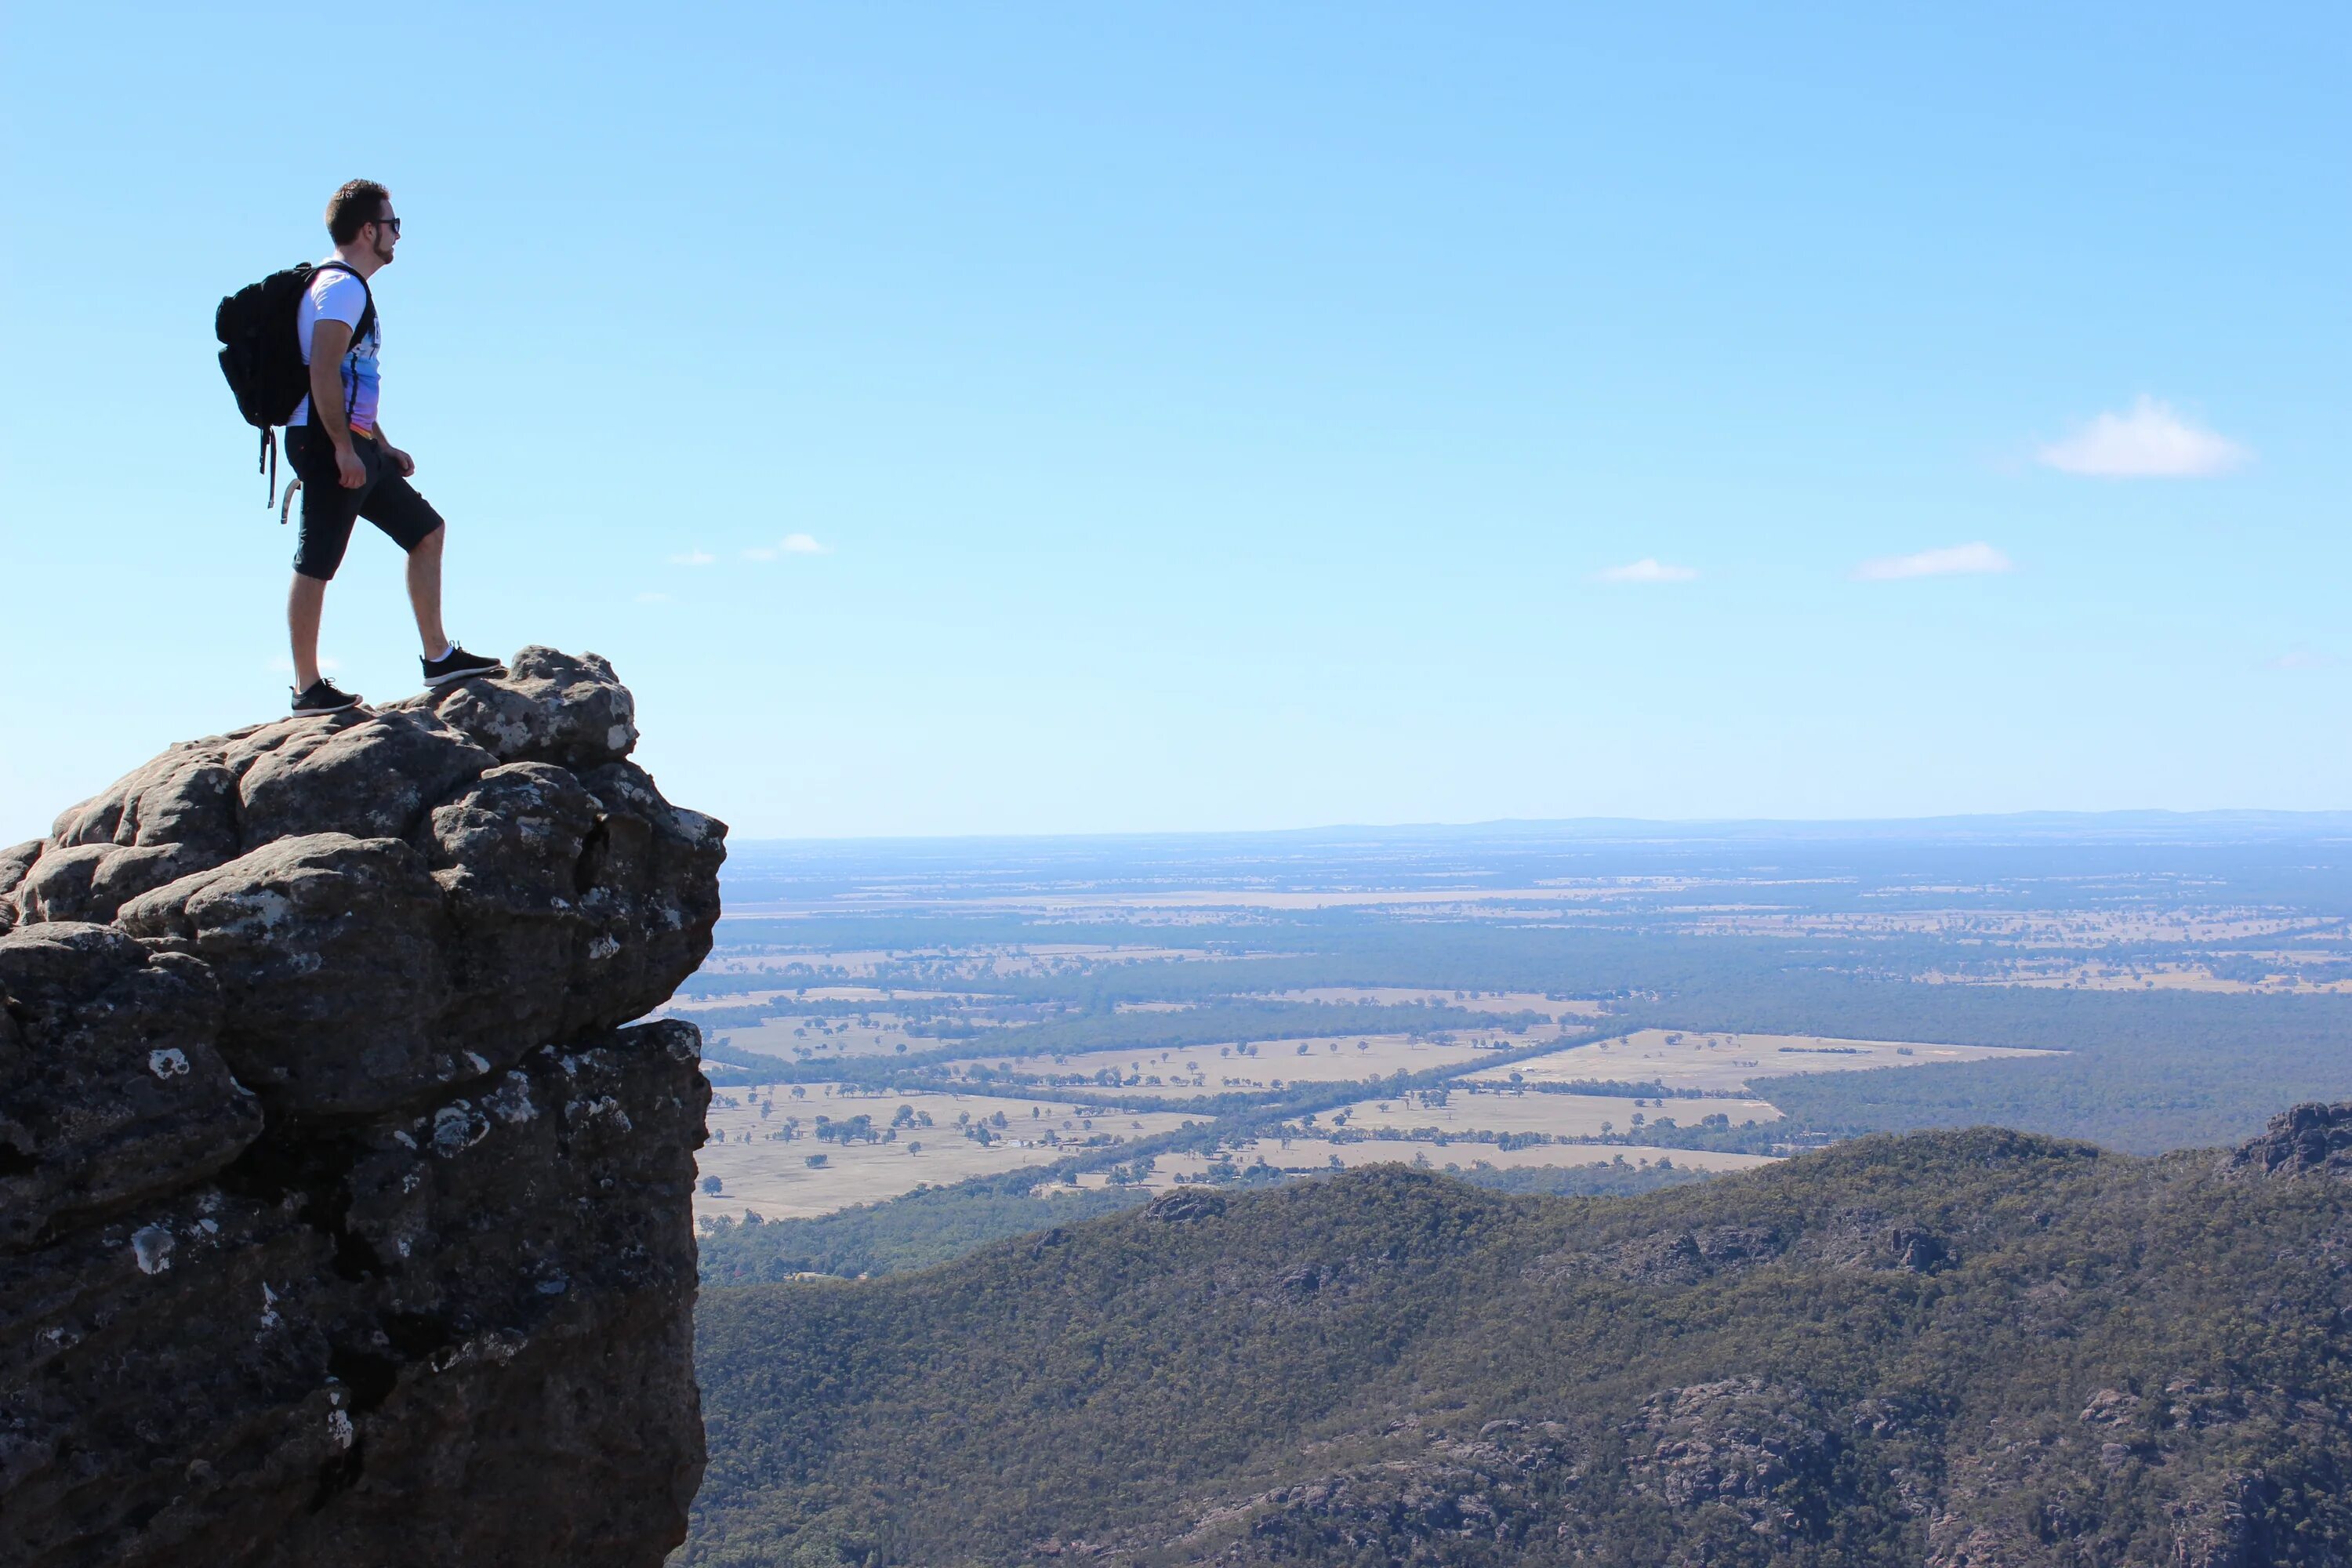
2118, 817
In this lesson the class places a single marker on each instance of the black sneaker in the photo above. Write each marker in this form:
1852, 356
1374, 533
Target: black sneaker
458, 666
323, 696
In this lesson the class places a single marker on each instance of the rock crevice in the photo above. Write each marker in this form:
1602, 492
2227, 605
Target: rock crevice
343, 1214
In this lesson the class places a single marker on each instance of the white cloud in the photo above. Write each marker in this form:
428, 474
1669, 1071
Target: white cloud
1649, 569
693, 558
2300, 660
2151, 442
791, 545
1952, 562
653, 598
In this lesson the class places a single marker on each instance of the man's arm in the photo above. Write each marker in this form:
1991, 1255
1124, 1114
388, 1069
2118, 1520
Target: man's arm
328, 340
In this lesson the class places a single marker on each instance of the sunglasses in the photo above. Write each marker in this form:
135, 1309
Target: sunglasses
391, 223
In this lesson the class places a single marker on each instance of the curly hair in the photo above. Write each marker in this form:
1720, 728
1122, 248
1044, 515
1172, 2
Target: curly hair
356, 205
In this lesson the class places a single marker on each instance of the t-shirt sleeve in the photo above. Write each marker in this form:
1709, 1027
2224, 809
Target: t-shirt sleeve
340, 297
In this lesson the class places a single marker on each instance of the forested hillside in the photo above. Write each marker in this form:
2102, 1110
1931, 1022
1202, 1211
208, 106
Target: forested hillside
936, 1224
1961, 1348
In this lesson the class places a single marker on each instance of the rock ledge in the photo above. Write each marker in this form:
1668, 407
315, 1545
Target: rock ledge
342, 1216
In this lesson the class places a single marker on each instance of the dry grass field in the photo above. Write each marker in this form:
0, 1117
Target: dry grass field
759, 1170
792, 1037
1261, 1065
797, 1036
1726, 1062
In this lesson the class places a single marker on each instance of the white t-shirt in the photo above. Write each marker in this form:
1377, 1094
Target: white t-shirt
338, 296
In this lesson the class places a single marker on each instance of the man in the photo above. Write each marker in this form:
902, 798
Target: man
348, 470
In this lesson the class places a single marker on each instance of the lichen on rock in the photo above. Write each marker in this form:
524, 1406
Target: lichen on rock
342, 1214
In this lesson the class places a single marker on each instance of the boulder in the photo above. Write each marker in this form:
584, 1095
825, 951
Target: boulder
509, 855
373, 777
331, 956
15, 863
549, 707
187, 796
650, 881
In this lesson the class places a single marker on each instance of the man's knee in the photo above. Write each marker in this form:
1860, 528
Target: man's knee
430, 544
315, 565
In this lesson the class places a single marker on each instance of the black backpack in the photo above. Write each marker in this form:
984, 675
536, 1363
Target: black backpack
262, 358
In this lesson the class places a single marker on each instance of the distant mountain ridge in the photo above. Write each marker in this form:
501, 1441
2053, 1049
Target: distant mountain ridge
1960, 1349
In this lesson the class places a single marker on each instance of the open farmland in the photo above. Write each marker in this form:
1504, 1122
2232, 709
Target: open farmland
1696, 1060
1267, 1065
762, 1143
1517, 997
793, 1036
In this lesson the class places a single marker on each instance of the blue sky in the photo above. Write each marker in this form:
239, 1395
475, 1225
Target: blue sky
1022, 418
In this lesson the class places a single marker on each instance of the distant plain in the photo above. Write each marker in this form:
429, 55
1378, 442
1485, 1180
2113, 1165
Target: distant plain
1223, 1007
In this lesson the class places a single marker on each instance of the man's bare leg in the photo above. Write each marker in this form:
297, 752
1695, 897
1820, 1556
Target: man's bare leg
303, 604
425, 592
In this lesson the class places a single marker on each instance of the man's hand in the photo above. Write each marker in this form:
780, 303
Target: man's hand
401, 461
350, 472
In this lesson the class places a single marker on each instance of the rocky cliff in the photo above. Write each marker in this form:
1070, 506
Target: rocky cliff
343, 1217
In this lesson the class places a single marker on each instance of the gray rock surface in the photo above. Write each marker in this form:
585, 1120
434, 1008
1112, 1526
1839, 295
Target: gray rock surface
15, 862
549, 707
342, 1216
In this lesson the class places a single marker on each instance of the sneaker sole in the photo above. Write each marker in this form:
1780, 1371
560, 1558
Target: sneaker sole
434, 681
338, 708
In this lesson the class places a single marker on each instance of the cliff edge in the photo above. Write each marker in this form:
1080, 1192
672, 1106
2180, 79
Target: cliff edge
343, 1218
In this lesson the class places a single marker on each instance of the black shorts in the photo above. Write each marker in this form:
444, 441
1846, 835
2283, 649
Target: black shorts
329, 509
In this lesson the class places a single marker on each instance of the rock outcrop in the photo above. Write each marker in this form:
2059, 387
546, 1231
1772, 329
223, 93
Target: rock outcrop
344, 1216
2311, 1140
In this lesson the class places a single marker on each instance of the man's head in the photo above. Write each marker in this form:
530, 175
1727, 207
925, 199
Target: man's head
359, 218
